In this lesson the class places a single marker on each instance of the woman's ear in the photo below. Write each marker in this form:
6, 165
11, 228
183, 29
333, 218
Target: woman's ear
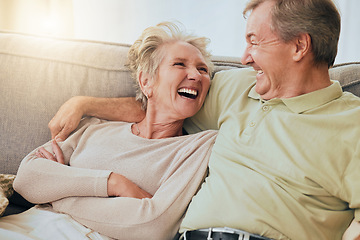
145, 84
302, 46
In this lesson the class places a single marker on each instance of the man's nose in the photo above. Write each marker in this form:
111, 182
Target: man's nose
246, 58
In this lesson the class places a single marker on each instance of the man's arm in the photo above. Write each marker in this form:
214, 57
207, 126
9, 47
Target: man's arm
70, 113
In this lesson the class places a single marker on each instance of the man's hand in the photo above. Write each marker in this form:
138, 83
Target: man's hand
58, 154
353, 231
120, 186
67, 118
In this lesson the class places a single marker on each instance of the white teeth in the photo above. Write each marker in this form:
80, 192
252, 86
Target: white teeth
260, 71
188, 91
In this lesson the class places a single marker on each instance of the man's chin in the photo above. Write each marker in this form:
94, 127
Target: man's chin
264, 91
260, 88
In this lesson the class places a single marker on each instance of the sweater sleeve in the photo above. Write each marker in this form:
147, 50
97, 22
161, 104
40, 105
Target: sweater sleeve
155, 218
41, 180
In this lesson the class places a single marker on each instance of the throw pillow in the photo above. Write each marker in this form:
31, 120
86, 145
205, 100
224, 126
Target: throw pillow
6, 190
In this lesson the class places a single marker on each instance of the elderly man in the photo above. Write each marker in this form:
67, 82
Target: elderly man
286, 161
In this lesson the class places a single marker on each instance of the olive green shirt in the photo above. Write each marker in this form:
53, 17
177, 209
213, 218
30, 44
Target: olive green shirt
283, 168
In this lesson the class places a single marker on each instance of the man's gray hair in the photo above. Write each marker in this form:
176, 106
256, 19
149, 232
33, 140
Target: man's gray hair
319, 18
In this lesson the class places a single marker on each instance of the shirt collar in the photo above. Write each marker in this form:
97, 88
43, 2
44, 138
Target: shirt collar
305, 102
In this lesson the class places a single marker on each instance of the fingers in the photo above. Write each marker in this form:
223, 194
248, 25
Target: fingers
64, 133
58, 152
66, 119
60, 131
39, 154
58, 155
147, 195
141, 193
54, 128
43, 153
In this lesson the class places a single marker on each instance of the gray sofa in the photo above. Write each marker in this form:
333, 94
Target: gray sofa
38, 74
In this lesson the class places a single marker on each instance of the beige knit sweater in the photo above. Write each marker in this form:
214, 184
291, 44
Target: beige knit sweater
171, 169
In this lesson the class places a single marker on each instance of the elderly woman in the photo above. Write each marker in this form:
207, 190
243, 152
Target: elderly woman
125, 180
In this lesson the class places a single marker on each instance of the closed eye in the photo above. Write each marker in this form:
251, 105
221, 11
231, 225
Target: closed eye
203, 69
179, 64
253, 41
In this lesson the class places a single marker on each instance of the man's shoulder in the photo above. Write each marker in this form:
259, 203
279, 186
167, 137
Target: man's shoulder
246, 74
239, 78
351, 102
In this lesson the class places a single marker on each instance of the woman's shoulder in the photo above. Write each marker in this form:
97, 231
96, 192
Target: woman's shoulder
97, 123
95, 120
204, 135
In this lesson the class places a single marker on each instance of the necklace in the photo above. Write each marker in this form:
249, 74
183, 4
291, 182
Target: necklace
138, 130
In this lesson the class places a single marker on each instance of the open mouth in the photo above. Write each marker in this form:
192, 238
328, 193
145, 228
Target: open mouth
188, 93
260, 71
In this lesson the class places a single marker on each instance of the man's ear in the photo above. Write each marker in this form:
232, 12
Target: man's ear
302, 46
145, 83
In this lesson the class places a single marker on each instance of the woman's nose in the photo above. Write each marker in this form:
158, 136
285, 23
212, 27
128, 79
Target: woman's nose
194, 74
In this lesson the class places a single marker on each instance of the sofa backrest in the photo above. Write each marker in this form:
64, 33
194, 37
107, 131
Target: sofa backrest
38, 74
349, 76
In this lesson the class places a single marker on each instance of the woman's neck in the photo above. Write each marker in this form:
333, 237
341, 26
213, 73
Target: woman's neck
155, 126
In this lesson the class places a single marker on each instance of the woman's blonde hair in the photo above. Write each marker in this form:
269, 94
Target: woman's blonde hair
145, 54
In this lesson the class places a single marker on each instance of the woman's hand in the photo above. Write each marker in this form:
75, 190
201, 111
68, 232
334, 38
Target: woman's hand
67, 118
120, 186
353, 231
58, 155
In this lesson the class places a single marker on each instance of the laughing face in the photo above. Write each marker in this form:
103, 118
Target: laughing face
182, 81
267, 54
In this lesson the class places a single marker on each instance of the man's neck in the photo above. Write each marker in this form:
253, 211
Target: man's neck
304, 79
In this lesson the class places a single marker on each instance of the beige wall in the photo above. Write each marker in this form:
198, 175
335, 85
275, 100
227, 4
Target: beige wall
54, 17
123, 20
